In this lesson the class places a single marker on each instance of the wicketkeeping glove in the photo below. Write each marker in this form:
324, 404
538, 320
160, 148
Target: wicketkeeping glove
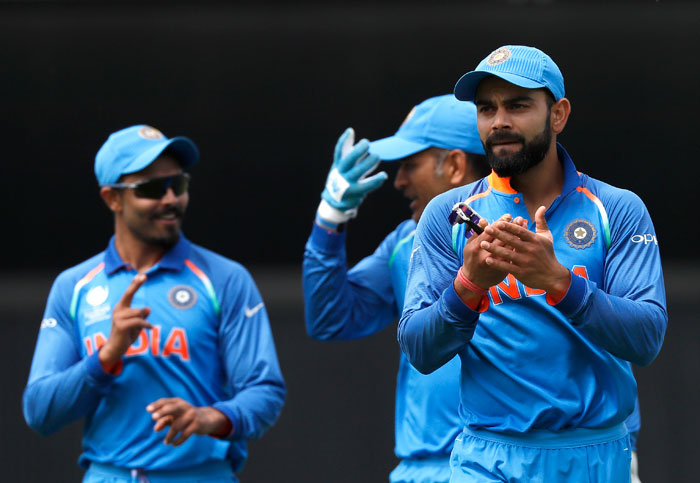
347, 183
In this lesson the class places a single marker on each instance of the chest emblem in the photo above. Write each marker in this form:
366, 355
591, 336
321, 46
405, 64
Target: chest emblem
182, 297
580, 234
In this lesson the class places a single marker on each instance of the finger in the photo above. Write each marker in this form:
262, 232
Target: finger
507, 217
128, 296
161, 423
172, 432
159, 403
502, 265
370, 184
186, 433
363, 167
499, 251
540, 221
343, 145
505, 237
174, 409
514, 229
131, 313
134, 323
348, 161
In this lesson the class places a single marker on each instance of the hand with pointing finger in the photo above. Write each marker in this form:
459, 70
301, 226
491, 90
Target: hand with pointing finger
127, 324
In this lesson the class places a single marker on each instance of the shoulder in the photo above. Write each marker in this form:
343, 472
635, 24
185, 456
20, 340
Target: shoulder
70, 277
615, 200
218, 268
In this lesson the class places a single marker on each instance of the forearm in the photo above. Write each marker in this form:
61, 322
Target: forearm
432, 336
55, 400
632, 330
253, 410
340, 305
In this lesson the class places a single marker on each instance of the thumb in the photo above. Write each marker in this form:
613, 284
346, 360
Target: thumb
540, 222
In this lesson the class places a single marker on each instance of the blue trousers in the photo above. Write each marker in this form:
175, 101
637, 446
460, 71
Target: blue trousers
579, 455
215, 472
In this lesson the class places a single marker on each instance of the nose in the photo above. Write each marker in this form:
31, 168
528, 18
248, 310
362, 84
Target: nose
401, 179
501, 120
169, 197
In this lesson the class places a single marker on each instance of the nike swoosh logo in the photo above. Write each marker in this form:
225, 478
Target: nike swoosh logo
251, 312
414, 252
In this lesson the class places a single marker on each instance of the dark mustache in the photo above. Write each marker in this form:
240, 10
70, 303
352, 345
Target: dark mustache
503, 136
173, 209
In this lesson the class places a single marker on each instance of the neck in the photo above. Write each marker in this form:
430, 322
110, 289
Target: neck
541, 184
137, 253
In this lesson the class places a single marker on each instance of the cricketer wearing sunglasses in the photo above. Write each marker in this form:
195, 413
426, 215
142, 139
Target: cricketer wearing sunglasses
162, 347
438, 148
546, 313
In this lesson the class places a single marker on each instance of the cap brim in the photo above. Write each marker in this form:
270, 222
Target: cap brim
465, 89
394, 147
182, 148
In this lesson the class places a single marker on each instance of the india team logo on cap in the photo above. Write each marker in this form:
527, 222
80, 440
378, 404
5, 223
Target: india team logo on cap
580, 234
182, 297
498, 56
150, 133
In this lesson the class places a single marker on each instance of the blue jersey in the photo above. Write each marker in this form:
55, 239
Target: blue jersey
527, 364
344, 304
210, 345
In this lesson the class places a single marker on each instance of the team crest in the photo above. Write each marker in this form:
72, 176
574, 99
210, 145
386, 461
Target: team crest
150, 133
580, 234
182, 297
498, 56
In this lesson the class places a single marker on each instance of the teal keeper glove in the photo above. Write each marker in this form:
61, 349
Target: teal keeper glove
347, 183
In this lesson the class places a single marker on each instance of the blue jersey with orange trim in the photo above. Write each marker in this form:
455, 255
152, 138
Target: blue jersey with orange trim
527, 364
344, 304
210, 345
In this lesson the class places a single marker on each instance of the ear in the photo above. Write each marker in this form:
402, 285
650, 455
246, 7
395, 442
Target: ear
560, 114
455, 167
112, 198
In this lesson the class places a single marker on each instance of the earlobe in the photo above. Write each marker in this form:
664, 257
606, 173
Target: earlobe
560, 114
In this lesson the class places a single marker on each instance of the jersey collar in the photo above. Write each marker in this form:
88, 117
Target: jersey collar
174, 259
571, 176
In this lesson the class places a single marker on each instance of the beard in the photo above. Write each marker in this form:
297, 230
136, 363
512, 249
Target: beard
144, 230
531, 154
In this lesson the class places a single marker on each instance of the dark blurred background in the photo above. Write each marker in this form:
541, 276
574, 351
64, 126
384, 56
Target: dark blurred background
264, 89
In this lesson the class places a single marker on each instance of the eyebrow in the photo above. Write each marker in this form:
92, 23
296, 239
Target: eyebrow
510, 100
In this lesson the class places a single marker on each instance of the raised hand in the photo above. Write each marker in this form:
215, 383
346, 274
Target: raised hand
185, 419
127, 323
348, 182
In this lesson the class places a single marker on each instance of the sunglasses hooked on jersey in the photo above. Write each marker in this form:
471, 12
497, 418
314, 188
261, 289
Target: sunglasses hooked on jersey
155, 188
463, 213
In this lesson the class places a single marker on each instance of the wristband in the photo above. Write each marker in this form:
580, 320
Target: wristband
469, 285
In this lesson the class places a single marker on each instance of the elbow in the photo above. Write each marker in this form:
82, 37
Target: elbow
653, 341
34, 416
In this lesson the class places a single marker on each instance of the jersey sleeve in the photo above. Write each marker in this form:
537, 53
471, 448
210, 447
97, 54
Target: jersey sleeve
627, 315
342, 304
62, 386
248, 353
435, 324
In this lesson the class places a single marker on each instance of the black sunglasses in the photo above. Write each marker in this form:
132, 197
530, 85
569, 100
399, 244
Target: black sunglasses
155, 188
463, 213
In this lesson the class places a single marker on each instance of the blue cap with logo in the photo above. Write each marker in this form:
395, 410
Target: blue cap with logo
133, 148
518, 64
439, 122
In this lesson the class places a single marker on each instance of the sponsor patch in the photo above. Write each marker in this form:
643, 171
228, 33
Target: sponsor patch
150, 133
97, 295
580, 234
182, 297
498, 56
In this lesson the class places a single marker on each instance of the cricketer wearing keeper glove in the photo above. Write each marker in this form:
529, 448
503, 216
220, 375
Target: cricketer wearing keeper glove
547, 319
162, 346
438, 148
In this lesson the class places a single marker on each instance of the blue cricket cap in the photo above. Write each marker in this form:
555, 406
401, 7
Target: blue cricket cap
520, 65
133, 148
439, 122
